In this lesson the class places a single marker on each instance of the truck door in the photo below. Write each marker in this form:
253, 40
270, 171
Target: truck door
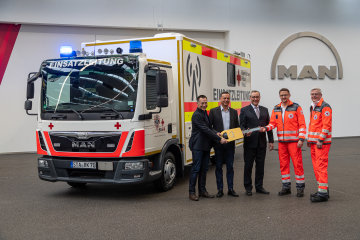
157, 128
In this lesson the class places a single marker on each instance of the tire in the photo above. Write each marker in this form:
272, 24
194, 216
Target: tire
76, 184
168, 174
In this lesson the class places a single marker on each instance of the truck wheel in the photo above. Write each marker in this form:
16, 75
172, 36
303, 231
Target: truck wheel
168, 174
76, 184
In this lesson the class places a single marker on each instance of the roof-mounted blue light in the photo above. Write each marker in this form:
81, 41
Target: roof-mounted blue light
66, 51
135, 46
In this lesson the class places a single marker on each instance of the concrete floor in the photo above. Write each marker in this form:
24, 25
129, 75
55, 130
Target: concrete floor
35, 209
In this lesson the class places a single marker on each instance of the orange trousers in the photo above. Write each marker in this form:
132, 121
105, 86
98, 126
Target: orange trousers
287, 150
320, 158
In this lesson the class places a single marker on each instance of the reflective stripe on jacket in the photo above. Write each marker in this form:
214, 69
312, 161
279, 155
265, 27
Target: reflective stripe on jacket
293, 128
320, 125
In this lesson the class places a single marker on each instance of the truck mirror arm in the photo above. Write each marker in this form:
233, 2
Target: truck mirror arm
30, 91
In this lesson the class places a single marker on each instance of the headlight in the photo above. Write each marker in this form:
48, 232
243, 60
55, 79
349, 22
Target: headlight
43, 163
134, 165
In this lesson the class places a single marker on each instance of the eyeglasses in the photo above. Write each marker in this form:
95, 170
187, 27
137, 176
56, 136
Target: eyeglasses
255, 96
315, 94
284, 95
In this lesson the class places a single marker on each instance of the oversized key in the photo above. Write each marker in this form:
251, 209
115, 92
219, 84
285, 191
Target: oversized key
236, 133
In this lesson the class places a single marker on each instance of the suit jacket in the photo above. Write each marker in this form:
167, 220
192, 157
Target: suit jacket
217, 123
248, 119
201, 133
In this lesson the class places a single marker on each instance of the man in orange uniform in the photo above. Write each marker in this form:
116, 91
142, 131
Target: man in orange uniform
289, 120
319, 140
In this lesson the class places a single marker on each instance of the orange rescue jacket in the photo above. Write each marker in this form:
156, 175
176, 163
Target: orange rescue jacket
320, 126
293, 128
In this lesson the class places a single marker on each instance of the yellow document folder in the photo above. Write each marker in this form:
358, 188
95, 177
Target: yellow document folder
232, 134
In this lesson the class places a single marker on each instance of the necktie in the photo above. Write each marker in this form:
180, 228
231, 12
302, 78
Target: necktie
257, 112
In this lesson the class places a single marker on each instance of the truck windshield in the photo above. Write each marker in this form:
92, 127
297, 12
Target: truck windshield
90, 84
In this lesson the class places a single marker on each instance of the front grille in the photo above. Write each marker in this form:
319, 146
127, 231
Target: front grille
65, 143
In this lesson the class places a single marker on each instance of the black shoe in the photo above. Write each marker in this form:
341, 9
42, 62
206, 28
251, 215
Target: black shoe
285, 191
232, 193
220, 193
315, 194
300, 193
262, 190
248, 193
318, 198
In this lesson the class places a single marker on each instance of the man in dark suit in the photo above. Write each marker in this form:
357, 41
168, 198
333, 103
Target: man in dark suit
253, 116
200, 145
224, 118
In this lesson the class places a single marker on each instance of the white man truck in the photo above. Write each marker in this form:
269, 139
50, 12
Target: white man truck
120, 111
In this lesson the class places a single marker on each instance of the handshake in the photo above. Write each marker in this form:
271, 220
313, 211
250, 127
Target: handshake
262, 129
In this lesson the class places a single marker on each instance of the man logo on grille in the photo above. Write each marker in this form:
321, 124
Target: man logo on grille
195, 74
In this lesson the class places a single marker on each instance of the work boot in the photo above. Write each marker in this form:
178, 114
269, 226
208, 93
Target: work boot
315, 194
318, 198
285, 191
300, 193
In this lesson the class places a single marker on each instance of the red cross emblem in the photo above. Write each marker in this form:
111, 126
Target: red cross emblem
117, 125
51, 126
162, 122
238, 77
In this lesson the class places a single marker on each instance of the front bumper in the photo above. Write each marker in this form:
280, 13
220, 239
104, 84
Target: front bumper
59, 169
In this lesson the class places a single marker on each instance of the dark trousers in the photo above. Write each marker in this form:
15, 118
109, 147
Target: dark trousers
251, 155
226, 151
200, 167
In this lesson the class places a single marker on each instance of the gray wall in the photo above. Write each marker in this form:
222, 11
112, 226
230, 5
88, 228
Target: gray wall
257, 27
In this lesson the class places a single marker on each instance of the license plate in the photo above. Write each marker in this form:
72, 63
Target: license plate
91, 165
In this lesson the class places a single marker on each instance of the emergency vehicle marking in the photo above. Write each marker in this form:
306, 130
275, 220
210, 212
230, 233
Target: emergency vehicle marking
51, 126
195, 74
205, 51
327, 113
85, 62
117, 125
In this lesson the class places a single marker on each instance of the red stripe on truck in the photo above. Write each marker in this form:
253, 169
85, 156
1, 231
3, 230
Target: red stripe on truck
86, 154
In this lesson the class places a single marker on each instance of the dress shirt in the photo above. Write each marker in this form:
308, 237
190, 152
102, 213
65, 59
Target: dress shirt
225, 117
254, 107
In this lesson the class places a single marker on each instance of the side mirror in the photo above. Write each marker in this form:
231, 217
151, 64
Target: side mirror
28, 105
161, 83
30, 91
162, 101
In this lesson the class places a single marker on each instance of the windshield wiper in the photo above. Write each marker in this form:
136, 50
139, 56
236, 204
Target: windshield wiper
80, 116
122, 117
112, 109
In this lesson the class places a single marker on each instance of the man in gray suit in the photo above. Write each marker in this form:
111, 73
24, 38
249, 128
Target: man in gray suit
224, 118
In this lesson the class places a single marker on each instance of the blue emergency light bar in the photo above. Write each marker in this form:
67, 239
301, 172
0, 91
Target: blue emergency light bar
135, 46
66, 51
